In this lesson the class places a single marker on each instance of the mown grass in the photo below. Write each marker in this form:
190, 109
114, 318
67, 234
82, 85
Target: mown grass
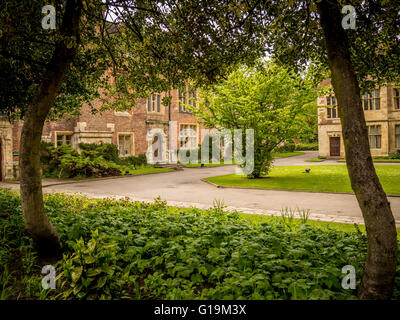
147, 170
324, 225
196, 165
377, 160
286, 154
328, 178
128, 250
315, 160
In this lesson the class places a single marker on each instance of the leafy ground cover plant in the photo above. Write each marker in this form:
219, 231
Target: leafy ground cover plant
90, 271
129, 250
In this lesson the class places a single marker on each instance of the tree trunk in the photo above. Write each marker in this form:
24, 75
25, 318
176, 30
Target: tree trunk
380, 266
37, 223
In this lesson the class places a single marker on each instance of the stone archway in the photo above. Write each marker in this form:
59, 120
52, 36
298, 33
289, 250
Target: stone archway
155, 152
157, 142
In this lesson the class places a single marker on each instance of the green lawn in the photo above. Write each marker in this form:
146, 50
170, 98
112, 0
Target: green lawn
377, 160
146, 170
196, 165
315, 160
286, 154
296, 222
331, 178
386, 160
346, 227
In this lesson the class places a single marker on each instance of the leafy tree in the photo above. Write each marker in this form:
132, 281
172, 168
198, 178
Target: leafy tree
308, 130
302, 32
142, 47
159, 44
268, 99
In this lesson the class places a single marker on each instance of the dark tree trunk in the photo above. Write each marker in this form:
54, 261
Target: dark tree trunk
36, 221
380, 265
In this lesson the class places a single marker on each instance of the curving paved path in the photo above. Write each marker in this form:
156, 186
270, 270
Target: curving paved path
185, 188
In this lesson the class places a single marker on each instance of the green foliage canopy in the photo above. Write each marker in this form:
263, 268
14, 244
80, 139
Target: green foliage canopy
268, 99
127, 48
296, 39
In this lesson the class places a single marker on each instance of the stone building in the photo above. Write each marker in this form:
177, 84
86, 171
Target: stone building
6, 149
128, 130
382, 115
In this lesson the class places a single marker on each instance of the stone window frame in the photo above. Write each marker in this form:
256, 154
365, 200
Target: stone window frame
132, 143
153, 103
187, 94
331, 112
64, 134
371, 100
180, 143
396, 98
397, 135
375, 137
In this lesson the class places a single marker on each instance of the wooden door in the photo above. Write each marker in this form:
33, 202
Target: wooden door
334, 146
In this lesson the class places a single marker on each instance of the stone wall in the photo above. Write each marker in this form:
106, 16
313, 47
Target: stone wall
6, 145
106, 126
387, 117
324, 133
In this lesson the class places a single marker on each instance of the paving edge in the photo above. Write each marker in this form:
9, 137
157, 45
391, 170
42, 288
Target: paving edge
398, 162
94, 179
218, 166
265, 212
307, 191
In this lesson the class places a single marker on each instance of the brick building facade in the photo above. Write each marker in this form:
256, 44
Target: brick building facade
382, 115
128, 130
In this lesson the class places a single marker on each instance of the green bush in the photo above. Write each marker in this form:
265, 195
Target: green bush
87, 166
395, 155
64, 161
94, 160
306, 146
135, 161
45, 155
289, 146
106, 150
151, 251
51, 159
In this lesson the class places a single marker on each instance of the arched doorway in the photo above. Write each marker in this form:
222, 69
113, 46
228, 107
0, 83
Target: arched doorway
155, 148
